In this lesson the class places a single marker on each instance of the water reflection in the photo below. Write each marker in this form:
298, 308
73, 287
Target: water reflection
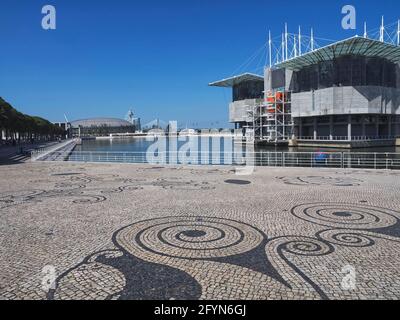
142, 145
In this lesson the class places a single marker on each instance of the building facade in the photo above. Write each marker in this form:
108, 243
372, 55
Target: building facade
345, 94
101, 127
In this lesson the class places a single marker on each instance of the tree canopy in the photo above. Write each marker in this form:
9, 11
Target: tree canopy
15, 121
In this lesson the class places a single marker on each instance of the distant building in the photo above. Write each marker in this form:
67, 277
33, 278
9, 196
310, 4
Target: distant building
101, 127
66, 126
130, 117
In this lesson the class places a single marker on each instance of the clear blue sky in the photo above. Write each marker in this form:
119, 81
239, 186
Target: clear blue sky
156, 57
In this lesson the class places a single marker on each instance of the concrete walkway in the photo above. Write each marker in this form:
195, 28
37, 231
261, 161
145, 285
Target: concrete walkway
13, 154
122, 231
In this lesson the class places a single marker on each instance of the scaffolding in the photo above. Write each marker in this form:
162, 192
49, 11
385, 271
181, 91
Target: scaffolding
271, 119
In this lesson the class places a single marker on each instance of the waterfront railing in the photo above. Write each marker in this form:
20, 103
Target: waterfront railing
388, 161
347, 138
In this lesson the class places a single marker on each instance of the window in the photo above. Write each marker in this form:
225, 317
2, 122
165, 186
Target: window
346, 71
248, 90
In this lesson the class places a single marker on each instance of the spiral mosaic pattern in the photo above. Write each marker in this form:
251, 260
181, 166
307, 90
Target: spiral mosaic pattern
341, 215
82, 188
89, 199
212, 171
347, 238
90, 279
281, 251
69, 186
371, 172
306, 247
177, 184
189, 238
14, 198
321, 181
121, 189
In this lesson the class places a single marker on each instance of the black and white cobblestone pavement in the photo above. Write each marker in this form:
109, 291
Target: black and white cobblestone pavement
119, 231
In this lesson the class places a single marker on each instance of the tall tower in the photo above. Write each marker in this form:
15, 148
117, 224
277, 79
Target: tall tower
130, 117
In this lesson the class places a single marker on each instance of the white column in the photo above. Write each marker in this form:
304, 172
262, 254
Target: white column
286, 42
398, 32
365, 30
270, 49
349, 128
299, 41
312, 39
315, 128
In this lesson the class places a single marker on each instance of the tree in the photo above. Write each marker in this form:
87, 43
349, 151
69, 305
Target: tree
13, 122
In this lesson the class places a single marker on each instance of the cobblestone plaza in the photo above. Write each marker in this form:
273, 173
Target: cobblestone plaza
121, 231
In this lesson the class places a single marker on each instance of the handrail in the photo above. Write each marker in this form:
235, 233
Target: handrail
383, 160
37, 154
346, 138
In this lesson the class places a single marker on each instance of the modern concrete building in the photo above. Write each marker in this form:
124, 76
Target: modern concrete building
247, 92
346, 94
100, 127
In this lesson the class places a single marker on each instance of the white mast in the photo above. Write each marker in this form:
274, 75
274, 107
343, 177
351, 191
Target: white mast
286, 42
312, 39
382, 33
283, 47
299, 41
270, 48
365, 30
295, 46
398, 32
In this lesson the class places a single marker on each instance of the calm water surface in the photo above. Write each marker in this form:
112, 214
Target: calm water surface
142, 145
217, 151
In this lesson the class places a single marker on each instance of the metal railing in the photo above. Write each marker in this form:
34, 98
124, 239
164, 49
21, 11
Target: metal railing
388, 161
346, 138
52, 151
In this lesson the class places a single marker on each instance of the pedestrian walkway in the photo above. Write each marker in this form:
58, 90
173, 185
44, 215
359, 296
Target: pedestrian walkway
21, 152
126, 231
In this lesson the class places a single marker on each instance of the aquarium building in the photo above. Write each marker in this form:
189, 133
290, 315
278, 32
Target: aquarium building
346, 94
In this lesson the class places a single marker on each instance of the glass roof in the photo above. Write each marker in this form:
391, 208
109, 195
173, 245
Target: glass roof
230, 82
353, 46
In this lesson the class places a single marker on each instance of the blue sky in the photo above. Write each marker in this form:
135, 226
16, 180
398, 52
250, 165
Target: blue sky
156, 57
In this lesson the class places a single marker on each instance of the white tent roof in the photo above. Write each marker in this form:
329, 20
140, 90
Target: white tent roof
353, 46
230, 82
